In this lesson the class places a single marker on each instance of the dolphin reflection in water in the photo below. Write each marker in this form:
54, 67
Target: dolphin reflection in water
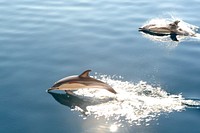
81, 81
73, 101
171, 29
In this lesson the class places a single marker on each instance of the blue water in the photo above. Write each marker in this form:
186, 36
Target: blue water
43, 41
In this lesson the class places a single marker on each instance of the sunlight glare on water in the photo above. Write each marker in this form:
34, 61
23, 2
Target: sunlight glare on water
113, 128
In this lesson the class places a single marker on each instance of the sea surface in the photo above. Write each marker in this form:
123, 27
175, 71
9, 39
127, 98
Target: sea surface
158, 83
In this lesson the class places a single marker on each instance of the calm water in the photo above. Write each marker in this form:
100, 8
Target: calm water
43, 41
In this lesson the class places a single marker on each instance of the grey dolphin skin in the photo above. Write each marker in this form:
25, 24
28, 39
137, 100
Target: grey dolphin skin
171, 28
79, 82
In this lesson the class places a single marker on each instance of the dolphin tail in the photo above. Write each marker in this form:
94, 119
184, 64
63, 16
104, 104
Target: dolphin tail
111, 90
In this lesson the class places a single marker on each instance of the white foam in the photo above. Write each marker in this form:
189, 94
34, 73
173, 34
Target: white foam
133, 103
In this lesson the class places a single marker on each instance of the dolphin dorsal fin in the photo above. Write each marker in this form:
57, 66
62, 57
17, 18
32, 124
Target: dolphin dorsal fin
175, 22
85, 74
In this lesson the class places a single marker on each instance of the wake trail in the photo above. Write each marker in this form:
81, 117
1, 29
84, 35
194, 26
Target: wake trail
133, 103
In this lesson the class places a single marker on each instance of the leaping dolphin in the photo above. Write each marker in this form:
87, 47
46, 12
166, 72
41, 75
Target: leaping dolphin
79, 82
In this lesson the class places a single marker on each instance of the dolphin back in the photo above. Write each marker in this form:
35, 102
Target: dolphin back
99, 84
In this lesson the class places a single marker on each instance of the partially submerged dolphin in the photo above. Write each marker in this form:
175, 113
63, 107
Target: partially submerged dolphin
171, 29
168, 29
81, 81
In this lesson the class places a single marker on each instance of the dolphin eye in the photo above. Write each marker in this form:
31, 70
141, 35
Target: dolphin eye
71, 82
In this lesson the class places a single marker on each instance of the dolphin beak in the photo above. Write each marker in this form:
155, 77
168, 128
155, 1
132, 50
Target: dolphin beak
140, 29
52, 88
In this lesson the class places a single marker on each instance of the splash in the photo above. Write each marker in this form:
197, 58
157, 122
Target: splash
133, 103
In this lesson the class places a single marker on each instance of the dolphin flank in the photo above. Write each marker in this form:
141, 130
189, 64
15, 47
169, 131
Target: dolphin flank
79, 82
